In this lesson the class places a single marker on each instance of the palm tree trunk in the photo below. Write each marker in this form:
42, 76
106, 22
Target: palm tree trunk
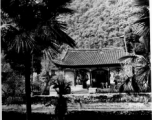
125, 44
28, 88
149, 82
134, 82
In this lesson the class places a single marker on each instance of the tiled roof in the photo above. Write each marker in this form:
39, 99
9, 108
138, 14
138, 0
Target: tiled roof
92, 57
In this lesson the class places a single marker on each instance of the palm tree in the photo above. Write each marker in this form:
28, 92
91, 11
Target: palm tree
141, 47
32, 29
143, 22
62, 87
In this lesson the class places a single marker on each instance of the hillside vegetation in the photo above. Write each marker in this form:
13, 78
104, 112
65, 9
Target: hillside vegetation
99, 23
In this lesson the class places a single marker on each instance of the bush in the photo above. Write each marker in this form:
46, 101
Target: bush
62, 86
13, 89
46, 100
109, 97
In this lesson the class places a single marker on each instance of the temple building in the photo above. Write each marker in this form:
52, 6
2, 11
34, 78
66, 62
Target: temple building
91, 67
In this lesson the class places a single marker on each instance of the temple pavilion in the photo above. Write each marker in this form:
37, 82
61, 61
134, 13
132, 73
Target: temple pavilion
93, 67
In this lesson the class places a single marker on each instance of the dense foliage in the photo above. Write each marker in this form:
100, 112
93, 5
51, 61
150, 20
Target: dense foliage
99, 23
13, 89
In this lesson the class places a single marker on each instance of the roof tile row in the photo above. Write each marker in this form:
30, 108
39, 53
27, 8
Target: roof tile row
92, 57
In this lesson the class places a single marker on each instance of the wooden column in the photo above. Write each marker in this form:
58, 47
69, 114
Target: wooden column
90, 77
75, 77
108, 76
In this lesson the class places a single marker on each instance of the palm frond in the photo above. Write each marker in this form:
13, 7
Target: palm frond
145, 19
62, 86
128, 57
22, 43
61, 36
49, 53
53, 34
61, 25
142, 70
58, 3
141, 2
143, 81
18, 41
61, 11
141, 29
141, 25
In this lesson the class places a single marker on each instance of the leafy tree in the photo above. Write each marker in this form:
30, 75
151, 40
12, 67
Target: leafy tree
33, 29
12, 83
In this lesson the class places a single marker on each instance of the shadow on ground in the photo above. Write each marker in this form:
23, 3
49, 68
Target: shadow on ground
83, 115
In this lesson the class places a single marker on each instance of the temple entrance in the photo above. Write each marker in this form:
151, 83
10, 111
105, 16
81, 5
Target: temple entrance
100, 78
82, 77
